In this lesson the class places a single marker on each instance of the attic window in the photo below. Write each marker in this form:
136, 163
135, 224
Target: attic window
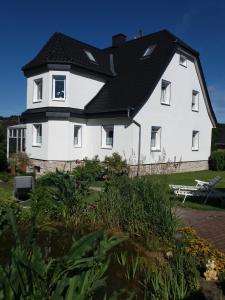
183, 61
90, 55
148, 51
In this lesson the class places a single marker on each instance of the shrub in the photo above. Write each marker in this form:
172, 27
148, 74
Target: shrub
115, 165
43, 205
217, 160
9, 203
77, 275
5, 177
88, 172
57, 190
138, 205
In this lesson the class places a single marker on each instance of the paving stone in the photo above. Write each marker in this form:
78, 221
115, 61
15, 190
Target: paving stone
208, 224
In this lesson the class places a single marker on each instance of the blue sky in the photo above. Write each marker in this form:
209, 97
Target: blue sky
25, 25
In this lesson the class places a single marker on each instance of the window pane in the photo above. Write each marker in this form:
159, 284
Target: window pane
153, 139
14, 132
195, 136
38, 133
39, 90
107, 136
59, 89
77, 135
23, 144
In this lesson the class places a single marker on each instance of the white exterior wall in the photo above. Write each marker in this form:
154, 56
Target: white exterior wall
79, 90
57, 140
177, 119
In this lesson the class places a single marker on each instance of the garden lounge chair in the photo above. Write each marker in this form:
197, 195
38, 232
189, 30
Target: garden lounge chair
22, 185
201, 189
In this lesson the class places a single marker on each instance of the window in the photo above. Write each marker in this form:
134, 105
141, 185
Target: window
149, 51
37, 134
37, 90
183, 61
165, 92
107, 136
90, 55
156, 138
195, 140
195, 101
59, 88
77, 136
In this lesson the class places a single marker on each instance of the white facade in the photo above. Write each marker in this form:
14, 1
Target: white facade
176, 119
79, 90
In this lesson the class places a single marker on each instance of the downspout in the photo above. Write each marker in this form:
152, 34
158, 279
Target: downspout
139, 140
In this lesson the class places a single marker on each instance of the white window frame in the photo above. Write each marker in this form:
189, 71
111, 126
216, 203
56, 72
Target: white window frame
54, 79
37, 139
195, 101
195, 140
105, 130
78, 143
165, 92
36, 97
183, 60
156, 131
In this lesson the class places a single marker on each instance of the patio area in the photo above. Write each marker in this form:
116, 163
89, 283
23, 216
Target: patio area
210, 225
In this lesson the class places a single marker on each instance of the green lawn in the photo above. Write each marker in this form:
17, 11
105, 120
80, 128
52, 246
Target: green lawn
189, 179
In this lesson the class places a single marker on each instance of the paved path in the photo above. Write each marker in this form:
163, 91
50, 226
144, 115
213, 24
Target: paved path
209, 224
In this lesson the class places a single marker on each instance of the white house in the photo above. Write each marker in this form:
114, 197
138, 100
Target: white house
144, 98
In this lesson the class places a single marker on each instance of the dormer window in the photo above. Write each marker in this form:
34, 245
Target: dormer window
90, 55
148, 51
59, 87
37, 90
183, 61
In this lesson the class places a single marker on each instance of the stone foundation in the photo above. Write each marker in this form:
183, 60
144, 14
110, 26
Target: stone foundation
170, 167
41, 167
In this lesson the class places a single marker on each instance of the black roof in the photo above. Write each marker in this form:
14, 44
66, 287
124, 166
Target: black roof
131, 77
62, 49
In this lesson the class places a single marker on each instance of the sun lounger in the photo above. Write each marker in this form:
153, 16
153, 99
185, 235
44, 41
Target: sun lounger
201, 189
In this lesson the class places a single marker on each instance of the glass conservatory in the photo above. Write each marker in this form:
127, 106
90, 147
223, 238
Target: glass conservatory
16, 139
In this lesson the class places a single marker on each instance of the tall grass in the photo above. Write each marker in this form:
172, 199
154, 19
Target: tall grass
140, 206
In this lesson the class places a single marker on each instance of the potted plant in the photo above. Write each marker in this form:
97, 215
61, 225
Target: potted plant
13, 163
23, 161
19, 160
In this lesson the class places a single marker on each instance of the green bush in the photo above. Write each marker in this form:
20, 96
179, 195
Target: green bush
88, 172
138, 205
217, 160
77, 275
115, 165
5, 177
58, 192
9, 203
